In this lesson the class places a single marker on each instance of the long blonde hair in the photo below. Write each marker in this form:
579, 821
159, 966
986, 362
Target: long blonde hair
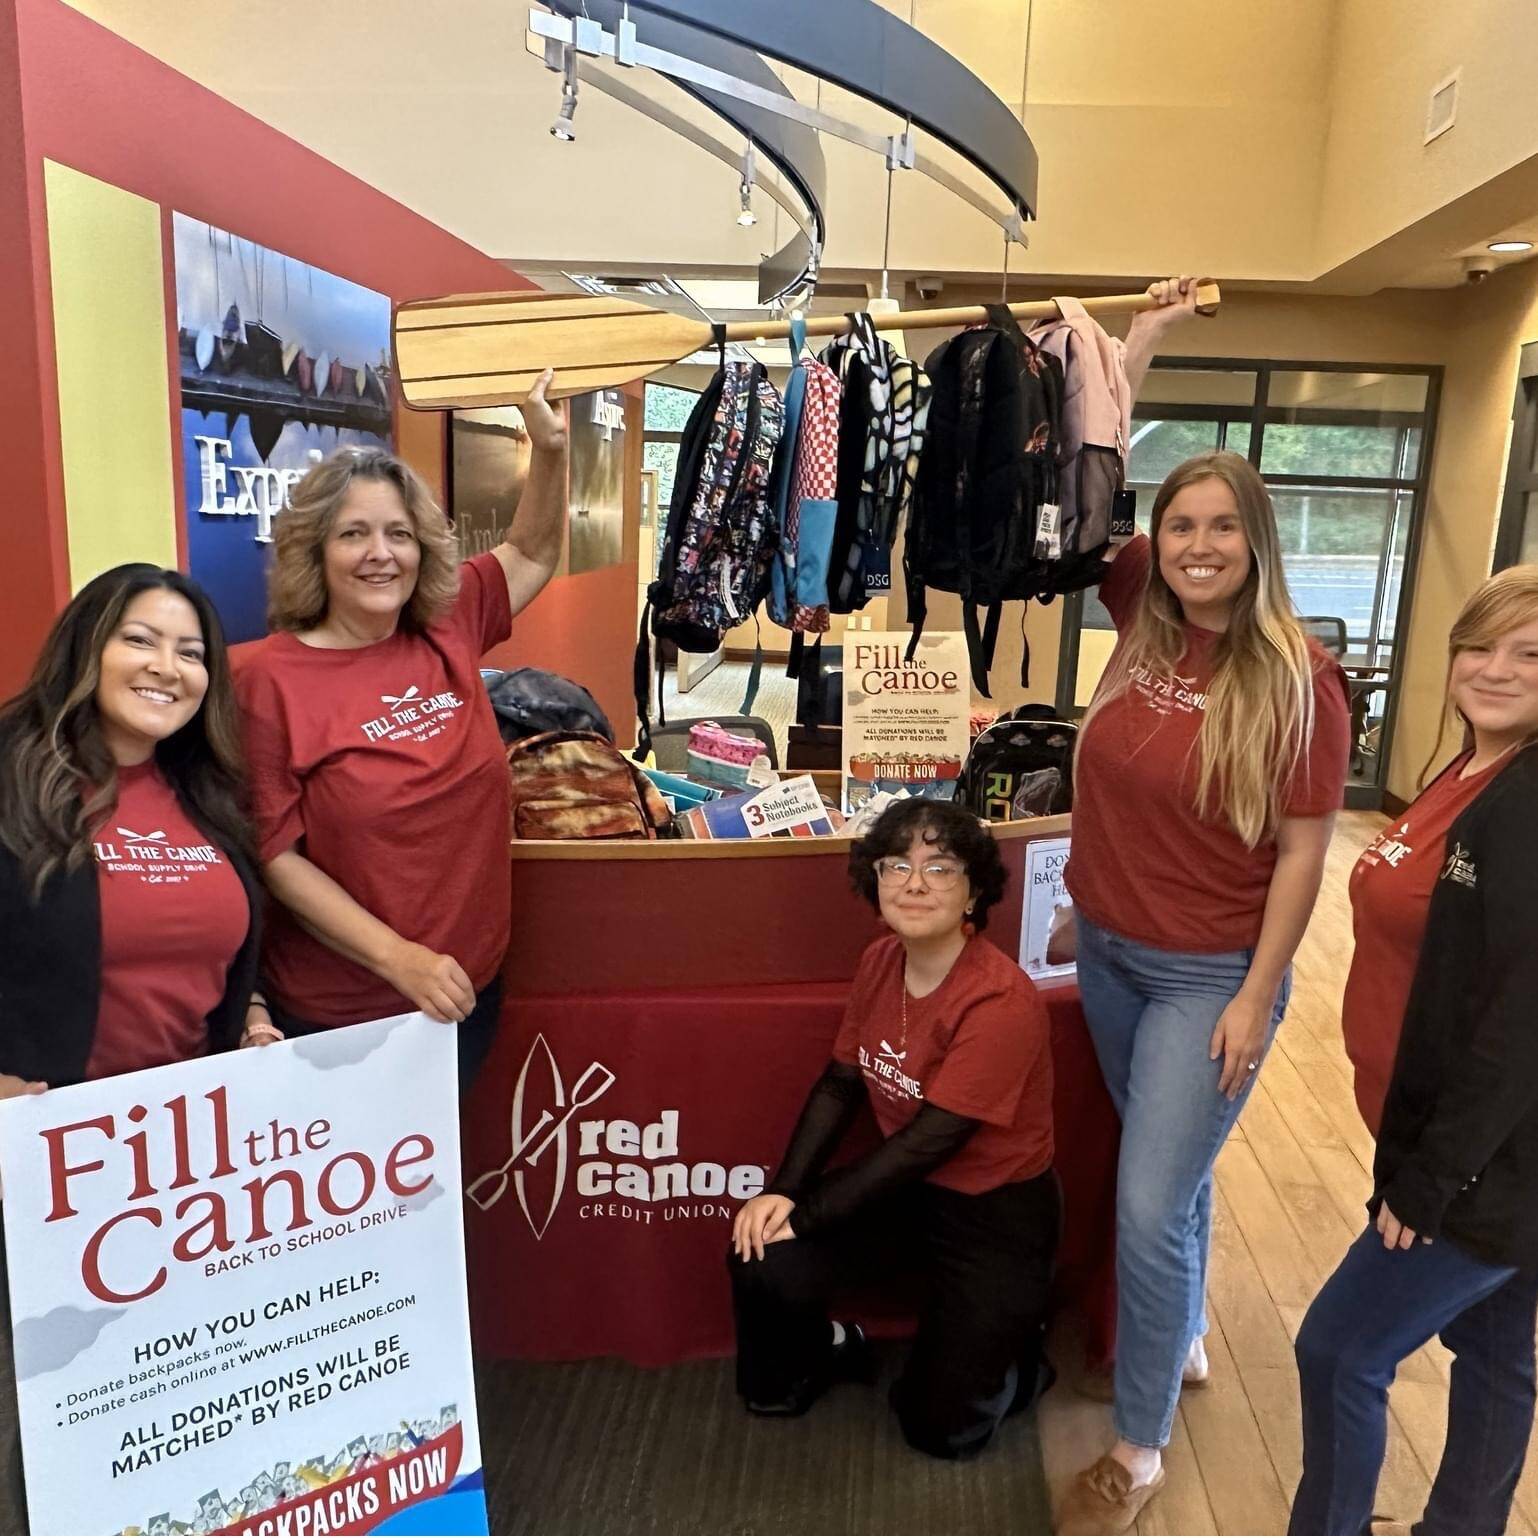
1259, 719
296, 586
1498, 605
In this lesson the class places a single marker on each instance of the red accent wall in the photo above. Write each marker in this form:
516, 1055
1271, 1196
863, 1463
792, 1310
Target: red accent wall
75, 92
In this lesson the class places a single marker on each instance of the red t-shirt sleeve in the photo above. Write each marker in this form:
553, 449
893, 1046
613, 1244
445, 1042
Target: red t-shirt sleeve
1318, 784
275, 788
1124, 581
997, 1045
482, 613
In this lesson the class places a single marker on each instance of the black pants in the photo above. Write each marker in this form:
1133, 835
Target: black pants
985, 1263
477, 1030
13, 1492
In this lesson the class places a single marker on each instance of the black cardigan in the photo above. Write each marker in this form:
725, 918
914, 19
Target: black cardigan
1458, 1148
50, 971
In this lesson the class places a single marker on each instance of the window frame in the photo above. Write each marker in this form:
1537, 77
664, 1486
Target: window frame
1521, 471
1259, 415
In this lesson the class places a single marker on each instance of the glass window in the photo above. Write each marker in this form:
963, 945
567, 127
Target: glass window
1529, 550
1158, 446
1332, 548
1344, 450
667, 408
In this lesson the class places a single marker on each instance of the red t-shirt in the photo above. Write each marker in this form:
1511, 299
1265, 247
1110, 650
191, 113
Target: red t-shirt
1391, 887
978, 1046
173, 916
1144, 863
383, 766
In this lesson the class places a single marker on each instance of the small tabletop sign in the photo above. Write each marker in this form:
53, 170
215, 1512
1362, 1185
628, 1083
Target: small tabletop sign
905, 723
1046, 918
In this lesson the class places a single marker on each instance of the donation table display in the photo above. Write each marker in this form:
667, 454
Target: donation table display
668, 1008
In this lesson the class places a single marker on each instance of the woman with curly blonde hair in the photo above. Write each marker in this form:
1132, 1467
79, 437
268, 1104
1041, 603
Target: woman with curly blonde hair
378, 779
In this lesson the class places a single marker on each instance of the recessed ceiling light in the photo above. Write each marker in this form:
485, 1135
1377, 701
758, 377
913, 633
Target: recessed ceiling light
1511, 245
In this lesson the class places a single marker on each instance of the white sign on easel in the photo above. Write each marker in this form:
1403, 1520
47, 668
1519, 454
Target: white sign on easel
238, 1292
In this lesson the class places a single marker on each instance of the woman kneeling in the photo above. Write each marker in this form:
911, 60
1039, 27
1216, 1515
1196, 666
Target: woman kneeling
948, 1040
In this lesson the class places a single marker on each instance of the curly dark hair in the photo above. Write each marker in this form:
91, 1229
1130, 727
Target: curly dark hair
952, 829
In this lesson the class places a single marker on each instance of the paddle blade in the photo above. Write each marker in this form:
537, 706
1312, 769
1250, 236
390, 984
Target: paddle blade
488, 349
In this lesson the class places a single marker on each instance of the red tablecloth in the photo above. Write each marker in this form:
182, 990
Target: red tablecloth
611, 1138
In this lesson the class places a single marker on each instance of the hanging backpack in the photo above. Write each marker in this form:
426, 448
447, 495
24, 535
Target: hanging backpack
720, 538
803, 486
881, 433
1021, 766
579, 785
986, 472
1090, 499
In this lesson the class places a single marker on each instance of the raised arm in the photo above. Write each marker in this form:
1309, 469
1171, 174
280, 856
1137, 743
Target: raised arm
531, 549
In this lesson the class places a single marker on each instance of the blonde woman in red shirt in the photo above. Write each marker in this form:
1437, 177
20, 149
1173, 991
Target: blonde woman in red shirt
1210, 767
378, 779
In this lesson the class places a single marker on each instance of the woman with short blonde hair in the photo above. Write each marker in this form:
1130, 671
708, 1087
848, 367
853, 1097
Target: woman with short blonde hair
1210, 767
1439, 1024
297, 598
378, 776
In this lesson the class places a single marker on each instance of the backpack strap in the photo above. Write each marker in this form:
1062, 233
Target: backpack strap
756, 672
968, 428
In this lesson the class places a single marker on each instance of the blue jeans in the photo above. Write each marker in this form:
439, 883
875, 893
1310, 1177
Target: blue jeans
1379, 1307
1151, 1015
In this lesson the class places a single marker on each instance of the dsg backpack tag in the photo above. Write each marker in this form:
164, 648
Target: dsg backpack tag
578, 785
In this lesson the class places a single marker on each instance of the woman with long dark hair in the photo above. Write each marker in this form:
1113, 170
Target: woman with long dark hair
1439, 1021
128, 902
947, 1040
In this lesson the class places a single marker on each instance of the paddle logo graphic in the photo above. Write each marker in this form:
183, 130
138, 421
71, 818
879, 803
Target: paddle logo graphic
620, 1169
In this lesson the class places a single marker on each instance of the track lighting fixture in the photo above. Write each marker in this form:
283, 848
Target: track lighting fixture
746, 216
563, 128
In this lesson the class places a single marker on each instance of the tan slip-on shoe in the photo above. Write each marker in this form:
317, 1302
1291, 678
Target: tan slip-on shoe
1104, 1500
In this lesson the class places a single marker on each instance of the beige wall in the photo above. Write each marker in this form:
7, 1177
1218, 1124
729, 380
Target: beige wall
1386, 56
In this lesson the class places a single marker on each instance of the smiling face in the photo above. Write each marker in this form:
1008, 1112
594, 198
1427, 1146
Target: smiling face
371, 556
153, 674
930, 901
1495, 686
1204, 553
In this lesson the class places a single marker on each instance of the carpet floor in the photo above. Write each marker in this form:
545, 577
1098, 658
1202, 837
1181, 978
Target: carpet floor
602, 1447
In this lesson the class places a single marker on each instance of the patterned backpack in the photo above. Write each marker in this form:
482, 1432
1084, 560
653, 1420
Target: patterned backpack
721, 537
579, 785
804, 489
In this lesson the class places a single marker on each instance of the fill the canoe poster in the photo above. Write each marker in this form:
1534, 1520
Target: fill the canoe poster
905, 723
238, 1293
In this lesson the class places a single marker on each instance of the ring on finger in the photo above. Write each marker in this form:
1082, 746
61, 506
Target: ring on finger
1253, 1067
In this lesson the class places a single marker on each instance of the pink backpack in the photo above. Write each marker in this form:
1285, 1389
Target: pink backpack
1095, 429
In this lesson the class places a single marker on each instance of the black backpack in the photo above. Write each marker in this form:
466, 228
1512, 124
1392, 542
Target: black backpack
529, 701
1021, 766
989, 465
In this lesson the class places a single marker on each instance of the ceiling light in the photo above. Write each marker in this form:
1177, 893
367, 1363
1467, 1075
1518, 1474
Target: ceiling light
746, 216
563, 128
1510, 245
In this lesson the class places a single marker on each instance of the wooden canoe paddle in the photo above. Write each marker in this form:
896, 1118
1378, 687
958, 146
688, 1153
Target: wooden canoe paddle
488, 349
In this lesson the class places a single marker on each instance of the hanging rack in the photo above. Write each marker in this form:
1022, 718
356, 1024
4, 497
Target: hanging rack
489, 349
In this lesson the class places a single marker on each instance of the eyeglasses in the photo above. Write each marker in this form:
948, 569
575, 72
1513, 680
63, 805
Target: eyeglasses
939, 875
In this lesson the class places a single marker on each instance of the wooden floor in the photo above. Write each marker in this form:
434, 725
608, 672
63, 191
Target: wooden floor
1291, 1184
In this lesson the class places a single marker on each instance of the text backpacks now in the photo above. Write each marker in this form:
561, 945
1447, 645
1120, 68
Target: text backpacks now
1021, 766
578, 785
986, 472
